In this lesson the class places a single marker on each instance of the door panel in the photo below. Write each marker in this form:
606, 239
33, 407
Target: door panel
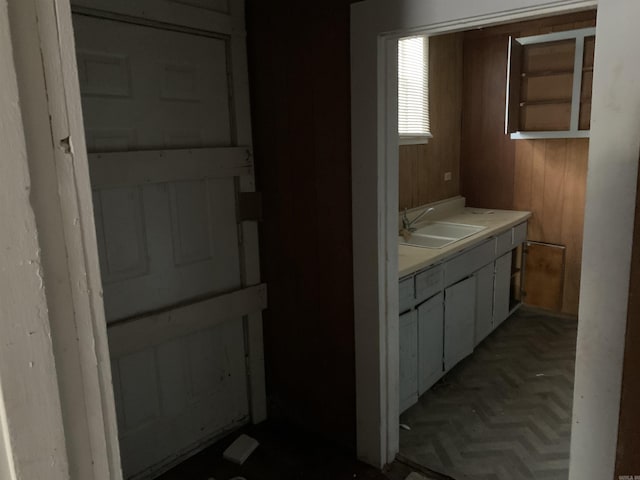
179, 393
147, 88
122, 236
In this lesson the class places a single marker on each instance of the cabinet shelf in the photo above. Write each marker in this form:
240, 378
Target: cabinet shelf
549, 84
546, 73
562, 101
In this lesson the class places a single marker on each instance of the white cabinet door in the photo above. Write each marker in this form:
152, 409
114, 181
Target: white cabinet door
406, 294
430, 342
484, 302
501, 289
165, 119
408, 360
459, 321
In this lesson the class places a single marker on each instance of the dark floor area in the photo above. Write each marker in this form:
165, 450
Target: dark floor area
503, 413
284, 454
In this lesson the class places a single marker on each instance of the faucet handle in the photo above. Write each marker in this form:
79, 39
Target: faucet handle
405, 220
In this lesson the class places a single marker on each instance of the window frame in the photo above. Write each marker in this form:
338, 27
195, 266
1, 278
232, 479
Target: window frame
423, 138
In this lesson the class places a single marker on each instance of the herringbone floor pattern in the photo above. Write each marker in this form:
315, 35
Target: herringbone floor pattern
504, 413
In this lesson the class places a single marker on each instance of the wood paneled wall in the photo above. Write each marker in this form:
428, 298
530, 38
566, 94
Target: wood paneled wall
627, 458
550, 179
547, 177
300, 92
422, 167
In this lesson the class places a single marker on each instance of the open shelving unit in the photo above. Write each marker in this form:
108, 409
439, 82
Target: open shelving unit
549, 83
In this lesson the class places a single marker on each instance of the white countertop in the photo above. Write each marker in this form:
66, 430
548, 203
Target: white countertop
411, 259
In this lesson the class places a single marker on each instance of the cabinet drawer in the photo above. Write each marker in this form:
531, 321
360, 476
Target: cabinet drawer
519, 234
406, 297
428, 283
504, 242
468, 262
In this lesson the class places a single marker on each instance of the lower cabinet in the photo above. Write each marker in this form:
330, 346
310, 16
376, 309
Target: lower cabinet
430, 342
455, 317
408, 359
484, 302
459, 321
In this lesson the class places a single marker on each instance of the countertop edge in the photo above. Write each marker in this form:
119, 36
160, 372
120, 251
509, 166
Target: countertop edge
462, 245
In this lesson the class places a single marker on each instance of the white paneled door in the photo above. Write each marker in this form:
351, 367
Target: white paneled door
165, 110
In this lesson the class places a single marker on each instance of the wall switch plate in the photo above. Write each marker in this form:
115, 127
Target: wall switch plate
447, 176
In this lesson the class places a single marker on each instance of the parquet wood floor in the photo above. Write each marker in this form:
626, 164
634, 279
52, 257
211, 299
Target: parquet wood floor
504, 413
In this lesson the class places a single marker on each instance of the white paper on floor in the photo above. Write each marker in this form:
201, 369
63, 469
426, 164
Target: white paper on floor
240, 449
415, 476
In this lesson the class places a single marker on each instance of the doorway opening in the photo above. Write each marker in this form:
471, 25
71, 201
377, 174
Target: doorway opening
486, 388
375, 206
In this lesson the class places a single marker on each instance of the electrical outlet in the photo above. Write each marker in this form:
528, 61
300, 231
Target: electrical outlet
447, 176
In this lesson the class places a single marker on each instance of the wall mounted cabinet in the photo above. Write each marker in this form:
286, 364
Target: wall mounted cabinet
549, 85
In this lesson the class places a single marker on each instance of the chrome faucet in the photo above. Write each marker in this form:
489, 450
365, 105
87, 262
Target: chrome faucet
408, 224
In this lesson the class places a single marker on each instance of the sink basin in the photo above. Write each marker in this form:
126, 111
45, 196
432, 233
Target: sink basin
456, 231
440, 234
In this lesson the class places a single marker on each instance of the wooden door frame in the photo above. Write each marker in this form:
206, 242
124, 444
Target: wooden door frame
609, 213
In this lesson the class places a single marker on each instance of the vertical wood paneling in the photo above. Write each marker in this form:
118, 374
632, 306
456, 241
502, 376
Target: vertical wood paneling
546, 177
523, 169
544, 282
536, 230
575, 186
555, 161
550, 182
408, 166
422, 167
300, 95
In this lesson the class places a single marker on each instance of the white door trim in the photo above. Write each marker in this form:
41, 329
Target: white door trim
613, 163
31, 425
60, 195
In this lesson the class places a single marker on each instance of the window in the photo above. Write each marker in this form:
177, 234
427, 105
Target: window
413, 90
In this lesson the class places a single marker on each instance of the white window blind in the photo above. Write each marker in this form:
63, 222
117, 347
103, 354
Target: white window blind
413, 89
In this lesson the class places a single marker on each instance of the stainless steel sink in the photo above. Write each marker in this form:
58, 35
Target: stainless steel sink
440, 234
